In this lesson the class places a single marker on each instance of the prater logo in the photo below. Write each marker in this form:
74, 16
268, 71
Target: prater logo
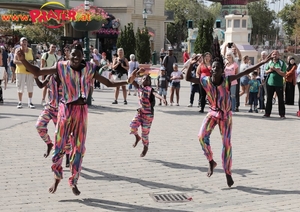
61, 16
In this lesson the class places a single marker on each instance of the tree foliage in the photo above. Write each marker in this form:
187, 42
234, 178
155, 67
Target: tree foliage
290, 18
38, 33
204, 38
184, 10
126, 40
262, 19
143, 52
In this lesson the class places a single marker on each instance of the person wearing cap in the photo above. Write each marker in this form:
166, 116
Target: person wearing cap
24, 77
168, 61
162, 83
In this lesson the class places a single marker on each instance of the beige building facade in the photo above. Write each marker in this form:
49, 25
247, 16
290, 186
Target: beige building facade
130, 11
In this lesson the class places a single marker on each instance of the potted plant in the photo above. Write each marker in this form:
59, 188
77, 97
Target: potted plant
89, 20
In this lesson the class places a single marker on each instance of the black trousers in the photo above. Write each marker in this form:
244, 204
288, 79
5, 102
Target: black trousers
237, 94
270, 93
289, 93
195, 88
299, 95
202, 98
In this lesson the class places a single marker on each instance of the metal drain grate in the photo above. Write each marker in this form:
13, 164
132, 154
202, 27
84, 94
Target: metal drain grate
175, 197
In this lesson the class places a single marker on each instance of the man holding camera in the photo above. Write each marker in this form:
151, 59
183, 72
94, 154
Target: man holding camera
237, 58
22, 75
276, 70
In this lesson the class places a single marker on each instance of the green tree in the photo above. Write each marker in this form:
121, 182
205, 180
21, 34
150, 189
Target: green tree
126, 40
198, 42
204, 38
130, 41
215, 10
143, 50
290, 18
38, 33
183, 10
262, 19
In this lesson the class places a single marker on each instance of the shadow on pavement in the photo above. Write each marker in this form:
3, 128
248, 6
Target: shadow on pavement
182, 112
8, 115
96, 109
145, 183
263, 191
117, 206
241, 172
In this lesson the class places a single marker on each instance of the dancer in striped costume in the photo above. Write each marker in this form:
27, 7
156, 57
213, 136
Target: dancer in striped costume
76, 77
50, 112
217, 87
145, 113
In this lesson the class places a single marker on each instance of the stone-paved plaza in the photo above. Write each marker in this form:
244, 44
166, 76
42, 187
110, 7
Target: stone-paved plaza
114, 177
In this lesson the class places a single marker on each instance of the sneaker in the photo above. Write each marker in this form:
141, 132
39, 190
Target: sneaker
1, 101
115, 102
262, 111
31, 106
266, 116
43, 103
177, 104
190, 105
171, 104
273, 101
250, 111
237, 109
19, 105
201, 111
125, 102
282, 117
256, 111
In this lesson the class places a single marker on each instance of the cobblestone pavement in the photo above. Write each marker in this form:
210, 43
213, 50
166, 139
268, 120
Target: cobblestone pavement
115, 178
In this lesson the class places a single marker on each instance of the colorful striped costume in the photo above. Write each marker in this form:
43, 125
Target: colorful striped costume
72, 118
145, 114
50, 110
220, 113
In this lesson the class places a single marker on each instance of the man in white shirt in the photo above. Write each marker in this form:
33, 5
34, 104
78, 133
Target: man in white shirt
48, 60
263, 77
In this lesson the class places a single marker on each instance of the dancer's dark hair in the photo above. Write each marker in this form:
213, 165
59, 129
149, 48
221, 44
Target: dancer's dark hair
77, 46
216, 52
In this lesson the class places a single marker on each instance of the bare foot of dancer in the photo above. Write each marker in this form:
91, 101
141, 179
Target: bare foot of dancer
53, 188
137, 139
229, 180
144, 152
212, 165
49, 148
75, 190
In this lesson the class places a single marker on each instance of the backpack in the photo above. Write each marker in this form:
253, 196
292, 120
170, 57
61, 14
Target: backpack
47, 55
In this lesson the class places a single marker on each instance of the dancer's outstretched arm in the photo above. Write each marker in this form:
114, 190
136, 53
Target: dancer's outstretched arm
36, 71
250, 69
107, 82
42, 84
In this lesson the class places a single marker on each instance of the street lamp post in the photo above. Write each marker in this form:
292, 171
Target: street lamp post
145, 16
